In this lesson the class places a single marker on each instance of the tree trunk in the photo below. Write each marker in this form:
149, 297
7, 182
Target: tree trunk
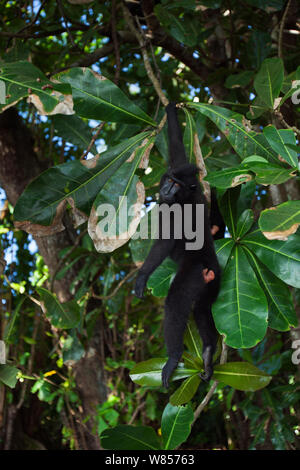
19, 165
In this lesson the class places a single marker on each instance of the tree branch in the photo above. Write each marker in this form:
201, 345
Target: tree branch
148, 67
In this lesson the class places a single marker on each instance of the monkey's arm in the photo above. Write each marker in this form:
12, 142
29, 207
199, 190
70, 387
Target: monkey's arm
177, 155
159, 251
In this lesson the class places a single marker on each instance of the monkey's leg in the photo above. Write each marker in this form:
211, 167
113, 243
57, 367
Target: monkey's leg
209, 335
177, 309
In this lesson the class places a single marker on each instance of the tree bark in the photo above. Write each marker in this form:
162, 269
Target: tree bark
19, 165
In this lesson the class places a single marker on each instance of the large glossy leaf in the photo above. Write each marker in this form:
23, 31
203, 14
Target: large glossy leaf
186, 391
192, 339
281, 257
149, 372
279, 141
65, 315
240, 311
124, 196
229, 208
266, 173
229, 177
268, 81
125, 437
76, 182
8, 375
282, 313
241, 376
244, 223
223, 249
176, 424
23, 79
188, 136
74, 130
233, 125
159, 282
280, 221
96, 97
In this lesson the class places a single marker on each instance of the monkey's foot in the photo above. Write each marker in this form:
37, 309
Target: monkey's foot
207, 374
167, 371
140, 286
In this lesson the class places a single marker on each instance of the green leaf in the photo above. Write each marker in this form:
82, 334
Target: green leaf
149, 372
96, 97
282, 313
8, 375
10, 326
74, 130
241, 296
72, 350
239, 79
241, 376
125, 437
192, 339
223, 249
176, 425
234, 127
229, 177
122, 192
268, 81
258, 47
244, 223
79, 182
65, 315
280, 221
186, 391
228, 207
279, 141
182, 29
159, 282
23, 79
267, 173
280, 257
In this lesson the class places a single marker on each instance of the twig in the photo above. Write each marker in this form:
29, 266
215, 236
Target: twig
282, 120
137, 410
115, 42
148, 67
210, 393
60, 7
107, 297
281, 29
93, 140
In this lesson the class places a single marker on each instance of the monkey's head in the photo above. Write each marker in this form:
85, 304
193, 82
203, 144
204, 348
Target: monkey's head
179, 185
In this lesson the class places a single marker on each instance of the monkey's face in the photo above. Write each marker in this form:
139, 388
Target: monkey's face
174, 190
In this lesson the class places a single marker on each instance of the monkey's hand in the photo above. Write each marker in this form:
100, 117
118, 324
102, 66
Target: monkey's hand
167, 371
208, 275
140, 285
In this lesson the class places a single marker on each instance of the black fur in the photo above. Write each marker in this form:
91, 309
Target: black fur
188, 290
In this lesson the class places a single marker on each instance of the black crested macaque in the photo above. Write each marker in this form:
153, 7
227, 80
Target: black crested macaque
197, 281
